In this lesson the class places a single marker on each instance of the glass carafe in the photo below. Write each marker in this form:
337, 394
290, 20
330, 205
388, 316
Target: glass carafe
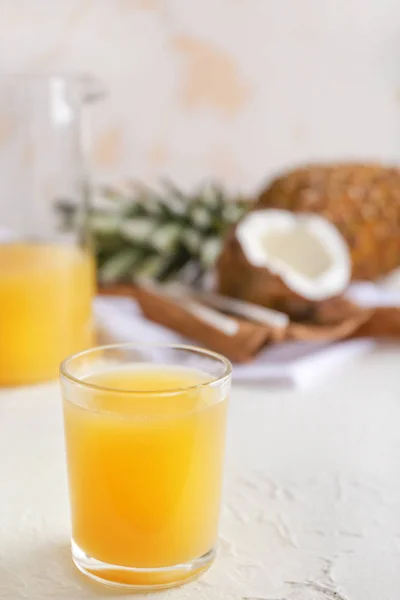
47, 276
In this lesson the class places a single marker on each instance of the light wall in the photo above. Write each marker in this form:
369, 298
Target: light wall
234, 89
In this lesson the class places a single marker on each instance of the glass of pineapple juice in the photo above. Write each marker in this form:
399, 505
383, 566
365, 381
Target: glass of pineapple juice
145, 436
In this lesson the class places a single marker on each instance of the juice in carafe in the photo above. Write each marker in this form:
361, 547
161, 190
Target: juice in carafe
46, 293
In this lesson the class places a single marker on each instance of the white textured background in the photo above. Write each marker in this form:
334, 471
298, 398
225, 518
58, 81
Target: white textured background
231, 88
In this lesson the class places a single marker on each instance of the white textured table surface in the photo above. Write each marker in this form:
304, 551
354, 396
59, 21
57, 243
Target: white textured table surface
312, 503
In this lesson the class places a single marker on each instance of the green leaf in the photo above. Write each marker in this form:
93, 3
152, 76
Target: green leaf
118, 267
200, 217
104, 224
210, 251
152, 206
150, 268
192, 239
232, 212
173, 190
137, 231
111, 193
209, 195
174, 264
166, 238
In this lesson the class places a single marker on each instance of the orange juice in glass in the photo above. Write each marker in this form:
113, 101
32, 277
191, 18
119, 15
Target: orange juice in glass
145, 433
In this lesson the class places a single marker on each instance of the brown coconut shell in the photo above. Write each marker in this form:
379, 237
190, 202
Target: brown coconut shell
362, 200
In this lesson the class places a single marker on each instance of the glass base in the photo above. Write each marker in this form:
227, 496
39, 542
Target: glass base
140, 579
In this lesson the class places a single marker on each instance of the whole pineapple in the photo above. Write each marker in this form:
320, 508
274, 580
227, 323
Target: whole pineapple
362, 200
160, 235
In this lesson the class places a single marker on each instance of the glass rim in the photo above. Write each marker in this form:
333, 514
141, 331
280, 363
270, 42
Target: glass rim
214, 380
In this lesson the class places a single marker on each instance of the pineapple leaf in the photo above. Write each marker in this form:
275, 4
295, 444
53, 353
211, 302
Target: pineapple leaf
150, 268
159, 234
118, 266
210, 251
192, 240
173, 190
166, 237
137, 231
175, 264
200, 217
111, 193
104, 224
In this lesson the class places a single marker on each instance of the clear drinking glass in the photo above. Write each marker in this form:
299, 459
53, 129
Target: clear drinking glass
46, 275
145, 435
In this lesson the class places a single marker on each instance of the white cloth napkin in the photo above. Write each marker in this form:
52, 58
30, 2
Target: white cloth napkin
295, 364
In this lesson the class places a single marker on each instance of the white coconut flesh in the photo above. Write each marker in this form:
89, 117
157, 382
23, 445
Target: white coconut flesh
306, 251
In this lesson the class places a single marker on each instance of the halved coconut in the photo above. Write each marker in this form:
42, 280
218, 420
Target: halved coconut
285, 261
